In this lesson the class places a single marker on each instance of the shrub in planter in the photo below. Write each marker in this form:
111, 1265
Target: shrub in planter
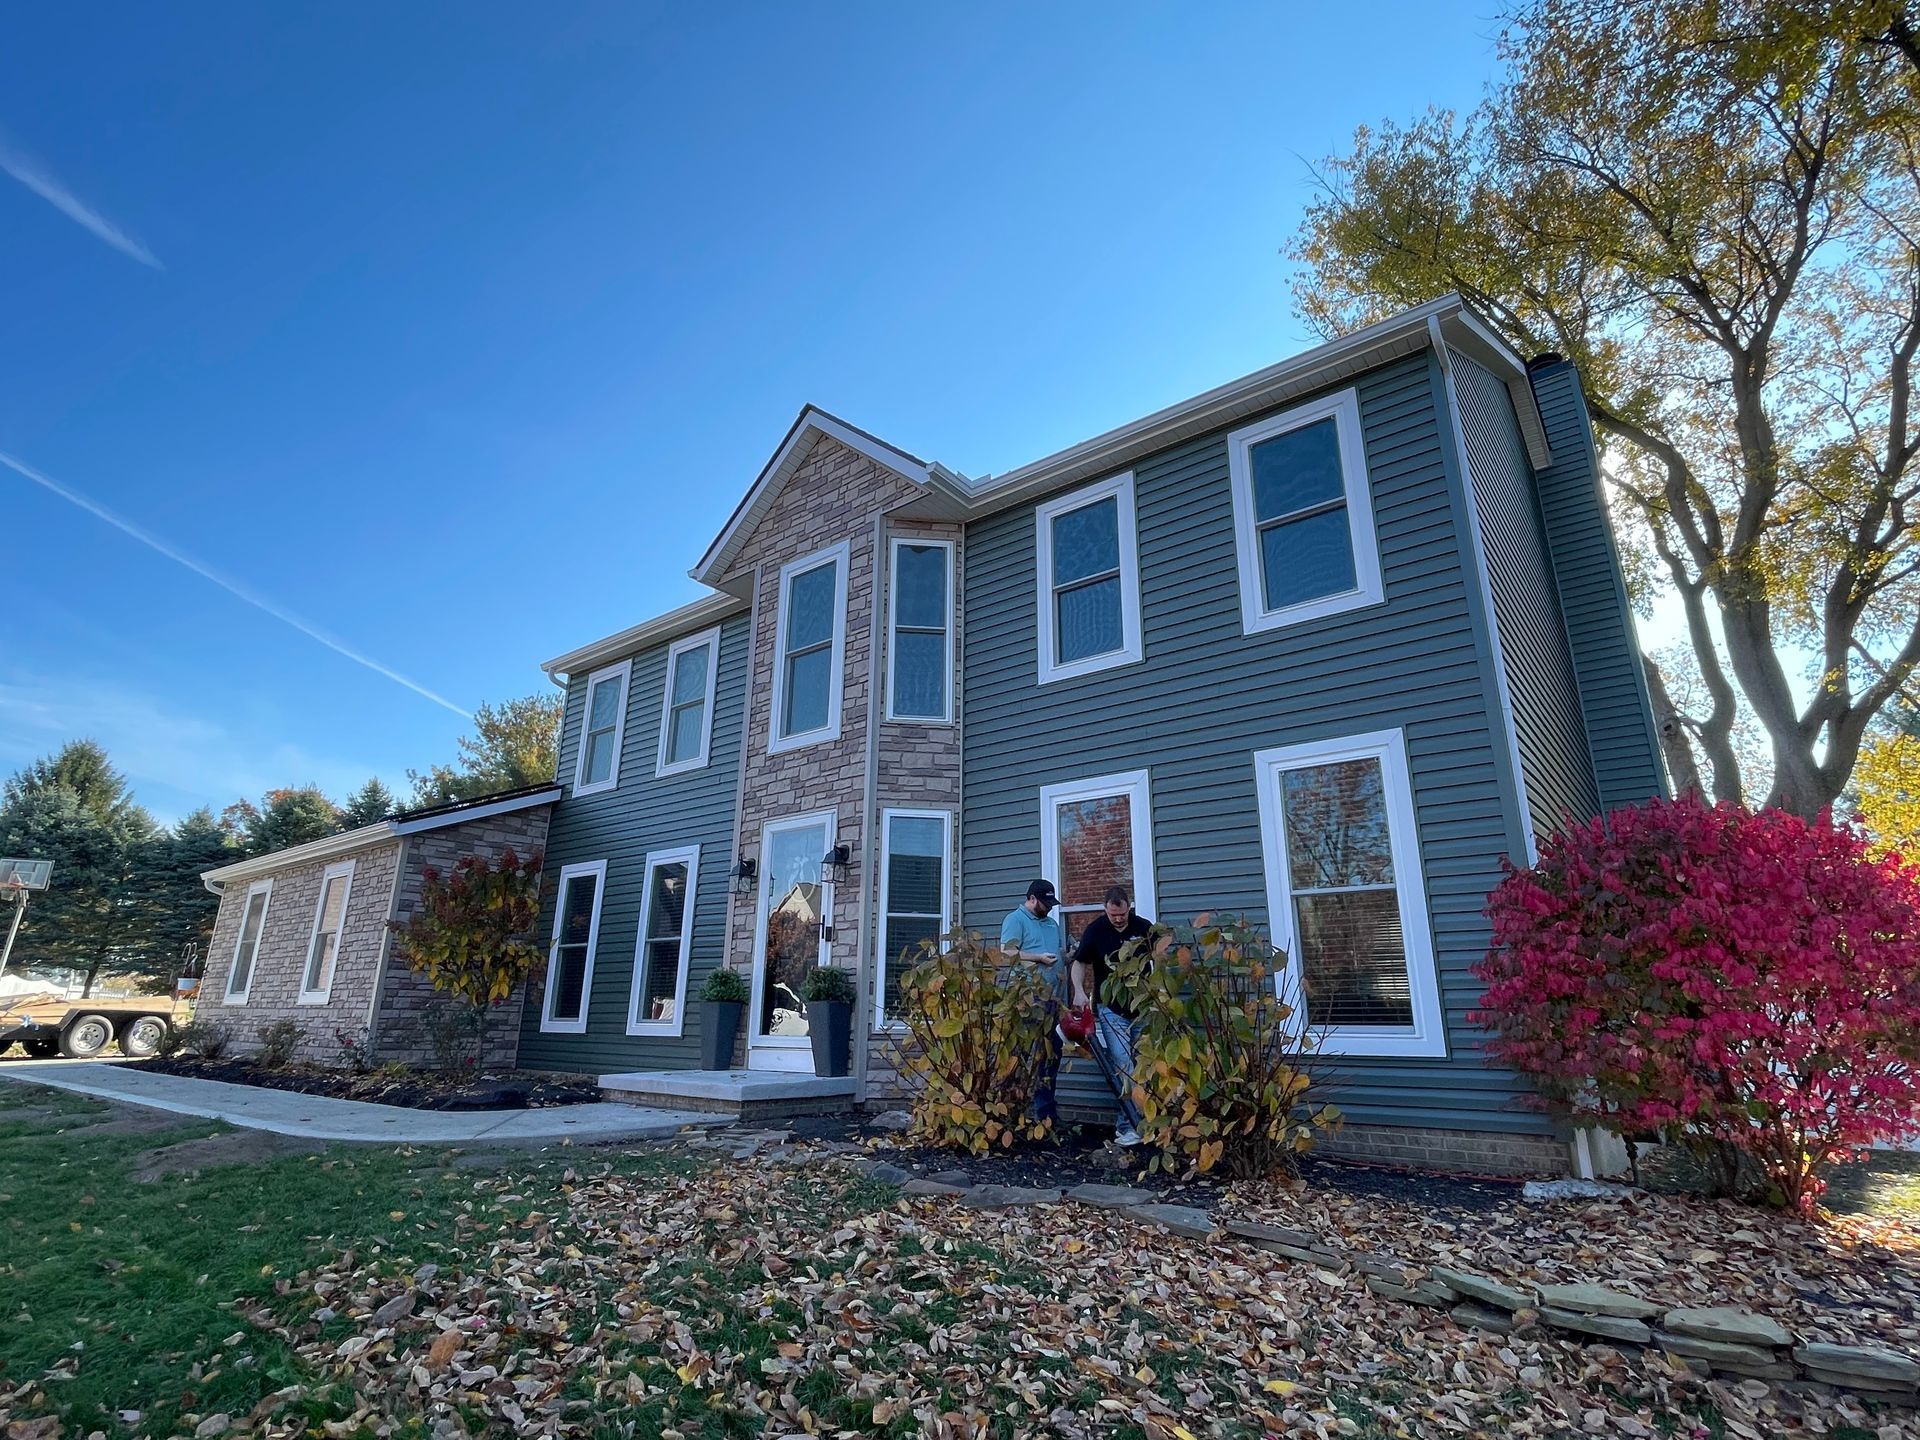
278, 1042
1222, 1073
828, 993
976, 1039
723, 998
1745, 985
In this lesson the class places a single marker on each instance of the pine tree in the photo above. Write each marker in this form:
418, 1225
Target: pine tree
371, 802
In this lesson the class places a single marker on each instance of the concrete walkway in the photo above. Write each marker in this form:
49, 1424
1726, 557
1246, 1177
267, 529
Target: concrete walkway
319, 1117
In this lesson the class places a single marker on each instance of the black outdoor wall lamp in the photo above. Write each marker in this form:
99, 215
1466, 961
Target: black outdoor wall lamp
833, 864
744, 875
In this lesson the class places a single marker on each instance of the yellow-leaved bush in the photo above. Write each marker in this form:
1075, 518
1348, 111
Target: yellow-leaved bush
472, 936
976, 1040
1224, 1073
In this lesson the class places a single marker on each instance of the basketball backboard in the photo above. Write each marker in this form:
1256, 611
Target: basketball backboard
26, 874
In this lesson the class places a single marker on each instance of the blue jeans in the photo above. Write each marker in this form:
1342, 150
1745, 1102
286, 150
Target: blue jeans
1116, 1039
1054, 977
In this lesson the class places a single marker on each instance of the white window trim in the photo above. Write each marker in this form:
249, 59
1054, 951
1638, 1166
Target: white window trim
1137, 787
1344, 408
580, 786
708, 640
1120, 488
831, 819
1428, 1036
776, 742
321, 996
881, 1020
893, 625
239, 997
688, 855
549, 1025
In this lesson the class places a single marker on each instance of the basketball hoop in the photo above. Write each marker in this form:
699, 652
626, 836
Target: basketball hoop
17, 877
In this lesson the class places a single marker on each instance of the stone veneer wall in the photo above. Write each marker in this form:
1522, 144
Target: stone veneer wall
836, 494
919, 768
406, 999
282, 957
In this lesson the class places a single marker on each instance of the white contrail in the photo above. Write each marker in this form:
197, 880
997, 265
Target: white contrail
232, 587
35, 176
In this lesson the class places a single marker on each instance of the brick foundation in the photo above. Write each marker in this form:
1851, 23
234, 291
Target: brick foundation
1487, 1152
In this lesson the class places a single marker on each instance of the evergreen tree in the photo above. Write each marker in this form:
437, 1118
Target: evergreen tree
179, 909
90, 918
371, 802
290, 817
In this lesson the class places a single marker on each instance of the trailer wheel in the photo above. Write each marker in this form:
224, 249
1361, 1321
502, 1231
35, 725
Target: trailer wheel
142, 1036
85, 1037
42, 1047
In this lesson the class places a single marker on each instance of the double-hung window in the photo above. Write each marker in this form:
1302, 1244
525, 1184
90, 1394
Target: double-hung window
810, 646
323, 946
686, 716
659, 1002
246, 945
1346, 893
602, 729
916, 885
1094, 834
1088, 591
920, 637
576, 931
1303, 515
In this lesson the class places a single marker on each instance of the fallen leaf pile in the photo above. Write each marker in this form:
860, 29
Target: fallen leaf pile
758, 1296
1848, 1280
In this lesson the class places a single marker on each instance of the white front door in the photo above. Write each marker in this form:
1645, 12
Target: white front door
790, 938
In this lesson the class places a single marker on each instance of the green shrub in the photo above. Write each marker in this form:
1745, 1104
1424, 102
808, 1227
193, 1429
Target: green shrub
828, 983
724, 986
278, 1042
977, 1038
1223, 1073
198, 1037
454, 1032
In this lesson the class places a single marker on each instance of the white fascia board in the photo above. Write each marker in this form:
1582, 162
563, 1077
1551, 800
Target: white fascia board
324, 848
699, 615
805, 434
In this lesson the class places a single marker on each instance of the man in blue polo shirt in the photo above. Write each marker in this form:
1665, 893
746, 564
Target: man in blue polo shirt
1033, 933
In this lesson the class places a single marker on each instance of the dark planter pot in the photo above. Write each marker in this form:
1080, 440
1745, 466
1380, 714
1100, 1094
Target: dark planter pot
719, 1027
830, 1027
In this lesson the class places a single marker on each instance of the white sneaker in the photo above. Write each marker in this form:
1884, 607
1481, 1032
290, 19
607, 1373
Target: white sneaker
1126, 1137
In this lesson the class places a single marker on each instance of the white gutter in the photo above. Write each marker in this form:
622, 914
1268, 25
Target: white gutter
378, 833
671, 626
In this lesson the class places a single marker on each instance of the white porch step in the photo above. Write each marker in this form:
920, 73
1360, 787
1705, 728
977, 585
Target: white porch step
756, 1094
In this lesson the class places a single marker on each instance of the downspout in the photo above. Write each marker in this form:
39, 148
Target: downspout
870, 820
740, 794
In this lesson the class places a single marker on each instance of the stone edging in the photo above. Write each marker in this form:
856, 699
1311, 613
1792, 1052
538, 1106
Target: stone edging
1714, 1339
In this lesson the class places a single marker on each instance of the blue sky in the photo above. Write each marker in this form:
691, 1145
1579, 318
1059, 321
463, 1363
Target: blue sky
455, 332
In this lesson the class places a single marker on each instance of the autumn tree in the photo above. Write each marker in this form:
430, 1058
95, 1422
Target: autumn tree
1713, 208
1887, 785
513, 744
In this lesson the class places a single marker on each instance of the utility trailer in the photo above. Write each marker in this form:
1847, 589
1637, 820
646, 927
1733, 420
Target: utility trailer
47, 1024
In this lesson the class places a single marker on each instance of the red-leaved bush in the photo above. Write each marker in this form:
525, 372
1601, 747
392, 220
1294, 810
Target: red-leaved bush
1747, 985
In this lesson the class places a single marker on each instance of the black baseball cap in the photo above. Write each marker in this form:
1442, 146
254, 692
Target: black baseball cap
1043, 891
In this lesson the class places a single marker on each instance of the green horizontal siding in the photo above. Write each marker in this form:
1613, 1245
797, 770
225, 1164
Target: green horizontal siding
1206, 697
1548, 727
620, 826
1593, 597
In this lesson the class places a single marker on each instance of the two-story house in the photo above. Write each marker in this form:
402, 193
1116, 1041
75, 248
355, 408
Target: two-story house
1320, 646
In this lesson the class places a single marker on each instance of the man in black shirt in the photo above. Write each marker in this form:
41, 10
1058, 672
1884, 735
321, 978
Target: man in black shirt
1115, 1031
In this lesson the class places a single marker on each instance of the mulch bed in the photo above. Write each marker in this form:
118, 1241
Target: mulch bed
413, 1089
